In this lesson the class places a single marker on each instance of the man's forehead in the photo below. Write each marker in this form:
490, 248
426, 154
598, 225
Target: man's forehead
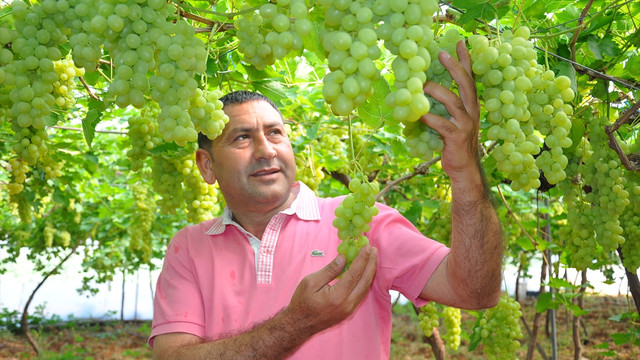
252, 113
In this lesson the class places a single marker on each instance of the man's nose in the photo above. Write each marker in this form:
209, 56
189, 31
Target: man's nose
264, 149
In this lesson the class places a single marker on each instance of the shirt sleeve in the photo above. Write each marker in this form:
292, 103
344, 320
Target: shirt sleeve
177, 304
406, 258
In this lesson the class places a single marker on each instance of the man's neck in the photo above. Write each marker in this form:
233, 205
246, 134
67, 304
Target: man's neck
255, 222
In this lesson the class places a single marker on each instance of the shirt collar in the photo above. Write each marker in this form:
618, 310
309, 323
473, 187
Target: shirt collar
305, 206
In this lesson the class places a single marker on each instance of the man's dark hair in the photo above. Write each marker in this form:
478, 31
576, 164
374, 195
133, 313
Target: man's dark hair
236, 97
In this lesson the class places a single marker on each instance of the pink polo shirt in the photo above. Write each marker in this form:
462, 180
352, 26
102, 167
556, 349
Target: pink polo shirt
213, 284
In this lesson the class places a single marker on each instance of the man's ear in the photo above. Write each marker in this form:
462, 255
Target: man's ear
205, 164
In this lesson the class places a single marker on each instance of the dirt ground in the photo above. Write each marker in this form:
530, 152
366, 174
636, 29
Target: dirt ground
115, 340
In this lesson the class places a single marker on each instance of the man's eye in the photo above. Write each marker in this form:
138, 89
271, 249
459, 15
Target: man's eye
241, 137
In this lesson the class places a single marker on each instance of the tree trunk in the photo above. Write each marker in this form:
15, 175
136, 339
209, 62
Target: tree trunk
634, 283
25, 313
538, 346
124, 276
533, 336
437, 345
577, 344
518, 274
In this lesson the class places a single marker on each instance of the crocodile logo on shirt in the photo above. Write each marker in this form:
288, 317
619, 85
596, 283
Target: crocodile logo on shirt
317, 253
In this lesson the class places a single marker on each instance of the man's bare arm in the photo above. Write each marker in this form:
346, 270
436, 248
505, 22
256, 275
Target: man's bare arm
315, 306
469, 277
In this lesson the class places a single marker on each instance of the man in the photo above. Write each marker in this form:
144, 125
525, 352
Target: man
228, 292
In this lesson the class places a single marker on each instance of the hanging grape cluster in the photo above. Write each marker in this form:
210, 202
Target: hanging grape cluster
422, 141
428, 318
630, 222
442, 224
353, 216
272, 31
143, 216
143, 135
452, 320
597, 230
520, 96
354, 29
500, 330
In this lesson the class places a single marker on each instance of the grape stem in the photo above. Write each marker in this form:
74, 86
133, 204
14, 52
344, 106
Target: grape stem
91, 93
506, 204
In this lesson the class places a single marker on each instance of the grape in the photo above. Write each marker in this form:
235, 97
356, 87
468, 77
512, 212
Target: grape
520, 96
499, 328
48, 233
272, 32
202, 199
452, 319
143, 216
422, 141
168, 176
353, 216
143, 136
630, 222
428, 318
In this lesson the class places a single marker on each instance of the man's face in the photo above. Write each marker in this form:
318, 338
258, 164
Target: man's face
253, 161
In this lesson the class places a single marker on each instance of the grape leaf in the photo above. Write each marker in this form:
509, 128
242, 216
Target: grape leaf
482, 10
94, 115
476, 336
633, 66
545, 302
374, 110
312, 42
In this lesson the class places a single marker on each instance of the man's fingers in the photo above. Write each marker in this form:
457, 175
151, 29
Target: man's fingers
366, 278
464, 57
462, 74
451, 101
329, 272
360, 274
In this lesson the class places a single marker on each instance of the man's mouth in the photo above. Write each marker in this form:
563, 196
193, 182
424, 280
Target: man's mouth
263, 172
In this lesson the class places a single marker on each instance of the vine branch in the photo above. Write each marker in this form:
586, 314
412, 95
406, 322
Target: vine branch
98, 131
24, 320
591, 72
86, 86
420, 169
613, 143
584, 13
197, 18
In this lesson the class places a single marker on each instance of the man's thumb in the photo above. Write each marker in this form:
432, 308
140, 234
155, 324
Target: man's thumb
334, 268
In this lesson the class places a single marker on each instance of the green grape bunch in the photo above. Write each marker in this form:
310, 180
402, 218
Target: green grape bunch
452, 320
520, 97
353, 216
499, 328
428, 318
